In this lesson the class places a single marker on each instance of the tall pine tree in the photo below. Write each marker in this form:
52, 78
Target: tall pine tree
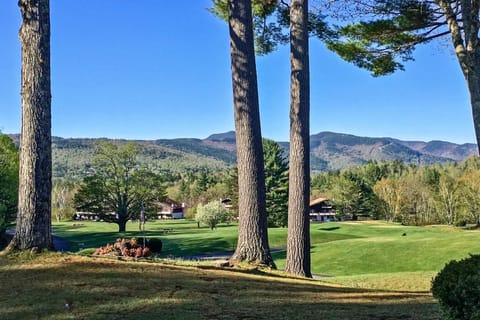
298, 239
252, 242
33, 228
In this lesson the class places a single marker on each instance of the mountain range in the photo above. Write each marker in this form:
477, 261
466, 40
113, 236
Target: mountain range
329, 151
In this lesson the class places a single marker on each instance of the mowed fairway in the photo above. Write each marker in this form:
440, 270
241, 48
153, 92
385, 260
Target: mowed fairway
386, 256
357, 254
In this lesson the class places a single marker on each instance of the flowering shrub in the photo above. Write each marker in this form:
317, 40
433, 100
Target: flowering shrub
124, 247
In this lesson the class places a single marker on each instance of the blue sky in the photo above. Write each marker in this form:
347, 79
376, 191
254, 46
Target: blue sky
155, 69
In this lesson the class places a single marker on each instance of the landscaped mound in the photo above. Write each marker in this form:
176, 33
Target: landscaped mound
124, 247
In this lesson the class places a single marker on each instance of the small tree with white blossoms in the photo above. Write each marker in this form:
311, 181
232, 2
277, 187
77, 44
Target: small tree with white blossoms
211, 214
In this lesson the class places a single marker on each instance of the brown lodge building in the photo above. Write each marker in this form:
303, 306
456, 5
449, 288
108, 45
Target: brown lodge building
321, 210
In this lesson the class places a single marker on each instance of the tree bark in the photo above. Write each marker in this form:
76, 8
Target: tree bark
298, 240
473, 82
33, 229
122, 225
252, 243
122, 216
467, 49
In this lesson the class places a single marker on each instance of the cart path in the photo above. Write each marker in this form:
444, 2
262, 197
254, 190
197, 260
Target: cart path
59, 244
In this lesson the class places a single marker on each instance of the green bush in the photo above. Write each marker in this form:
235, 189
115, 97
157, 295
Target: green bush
461, 223
155, 245
457, 288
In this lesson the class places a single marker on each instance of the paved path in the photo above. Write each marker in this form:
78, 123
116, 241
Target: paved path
59, 244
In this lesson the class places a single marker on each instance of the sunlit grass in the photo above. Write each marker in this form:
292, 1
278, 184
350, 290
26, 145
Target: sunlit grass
400, 281
358, 254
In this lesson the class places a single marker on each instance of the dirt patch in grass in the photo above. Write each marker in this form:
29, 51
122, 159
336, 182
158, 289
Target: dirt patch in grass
55, 286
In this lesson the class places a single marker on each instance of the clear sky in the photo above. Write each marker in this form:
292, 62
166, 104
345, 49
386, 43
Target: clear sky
154, 69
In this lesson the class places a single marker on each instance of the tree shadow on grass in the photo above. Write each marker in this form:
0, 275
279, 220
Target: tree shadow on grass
177, 247
115, 290
329, 229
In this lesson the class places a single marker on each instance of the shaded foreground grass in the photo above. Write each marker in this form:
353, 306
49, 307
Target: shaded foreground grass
39, 287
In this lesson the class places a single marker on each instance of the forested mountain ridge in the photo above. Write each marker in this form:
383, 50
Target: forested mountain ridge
329, 151
72, 157
339, 150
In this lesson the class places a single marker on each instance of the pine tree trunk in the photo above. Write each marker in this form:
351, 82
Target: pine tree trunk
252, 243
33, 230
466, 44
298, 240
473, 82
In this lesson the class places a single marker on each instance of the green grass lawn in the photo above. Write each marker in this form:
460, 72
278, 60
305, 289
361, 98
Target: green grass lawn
358, 254
375, 271
180, 237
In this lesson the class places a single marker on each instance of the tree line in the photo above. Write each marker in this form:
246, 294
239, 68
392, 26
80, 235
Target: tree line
394, 191
410, 194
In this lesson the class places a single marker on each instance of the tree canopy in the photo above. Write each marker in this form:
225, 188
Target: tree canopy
211, 214
276, 183
119, 185
384, 34
8, 180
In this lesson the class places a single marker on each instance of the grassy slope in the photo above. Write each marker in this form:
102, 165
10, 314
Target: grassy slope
39, 288
368, 255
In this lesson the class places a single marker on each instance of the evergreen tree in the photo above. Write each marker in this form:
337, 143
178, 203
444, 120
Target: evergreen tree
298, 239
231, 182
252, 242
276, 183
8, 180
387, 31
33, 228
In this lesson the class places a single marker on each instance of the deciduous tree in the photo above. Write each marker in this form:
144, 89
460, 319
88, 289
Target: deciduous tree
63, 193
448, 197
469, 185
345, 194
119, 185
211, 214
388, 191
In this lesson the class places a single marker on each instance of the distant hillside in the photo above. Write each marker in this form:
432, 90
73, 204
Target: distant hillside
336, 150
228, 137
329, 151
72, 157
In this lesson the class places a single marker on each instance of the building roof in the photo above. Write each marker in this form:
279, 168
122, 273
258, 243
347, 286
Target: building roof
317, 201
